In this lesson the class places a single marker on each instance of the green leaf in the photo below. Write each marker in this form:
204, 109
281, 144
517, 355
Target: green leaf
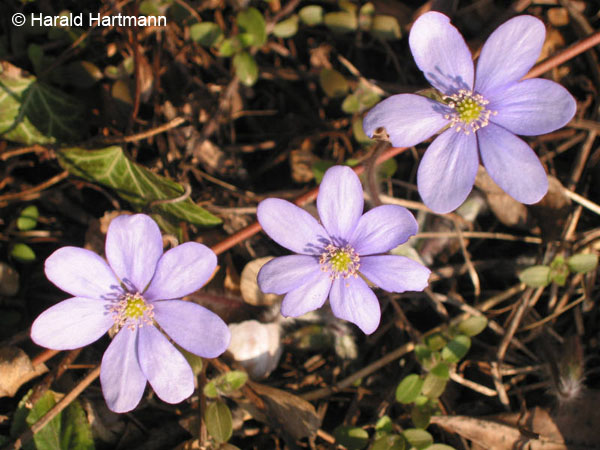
194, 361
421, 415
409, 388
387, 168
311, 15
440, 447
559, 271
218, 421
333, 83
246, 68
385, 27
473, 325
583, 262
206, 34
252, 21
365, 16
226, 383
227, 48
418, 438
286, 28
22, 253
341, 21
69, 429
435, 342
353, 438
359, 133
536, 276
351, 104
433, 386
134, 183
384, 425
441, 370
456, 349
424, 356
28, 218
389, 442
34, 113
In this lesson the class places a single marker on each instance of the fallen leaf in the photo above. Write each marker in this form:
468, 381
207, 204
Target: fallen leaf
15, 370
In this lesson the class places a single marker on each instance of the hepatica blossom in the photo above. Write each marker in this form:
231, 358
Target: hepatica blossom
336, 256
137, 292
483, 109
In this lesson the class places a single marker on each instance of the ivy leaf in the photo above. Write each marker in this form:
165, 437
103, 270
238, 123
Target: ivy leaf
136, 184
34, 113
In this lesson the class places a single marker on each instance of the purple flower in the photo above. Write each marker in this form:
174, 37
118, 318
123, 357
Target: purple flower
484, 109
137, 290
334, 259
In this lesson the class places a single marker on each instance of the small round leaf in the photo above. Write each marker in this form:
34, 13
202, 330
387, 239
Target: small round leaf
409, 388
473, 325
353, 438
536, 276
456, 349
286, 28
28, 218
218, 421
341, 21
583, 262
389, 442
311, 15
333, 83
22, 253
206, 34
246, 68
418, 438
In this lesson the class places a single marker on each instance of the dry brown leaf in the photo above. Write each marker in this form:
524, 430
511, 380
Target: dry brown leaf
251, 293
9, 280
16, 369
294, 417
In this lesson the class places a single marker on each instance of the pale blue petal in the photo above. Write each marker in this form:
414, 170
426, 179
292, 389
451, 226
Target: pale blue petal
441, 53
407, 118
121, 377
133, 247
192, 327
340, 202
167, 371
512, 164
395, 273
447, 171
307, 297
286, 273
508, 54
291, 226
80, 272
382, 229
353, 300
532, 107
72, 323
181, 271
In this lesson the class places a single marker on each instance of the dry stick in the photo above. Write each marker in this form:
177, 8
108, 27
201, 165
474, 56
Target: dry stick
174, 123
23, 195
56, 409
565, 55
55, 374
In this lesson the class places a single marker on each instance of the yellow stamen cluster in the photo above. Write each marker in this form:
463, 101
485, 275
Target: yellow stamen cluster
340, 261
132, 311
470, 112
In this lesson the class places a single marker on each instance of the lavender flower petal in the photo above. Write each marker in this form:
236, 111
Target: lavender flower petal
395, 273
181, 271
408, 119
193, 327
286, 273
532, 107
166, 369
133, 247
352, 300
80, 272
441, 53
121, 377
72, 323
291, 226
512, 164
382, 229
307, 297
447, 171
340, 202
509, 53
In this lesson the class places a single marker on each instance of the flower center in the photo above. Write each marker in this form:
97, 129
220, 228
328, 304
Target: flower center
132, 311
340, 261
470, 112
